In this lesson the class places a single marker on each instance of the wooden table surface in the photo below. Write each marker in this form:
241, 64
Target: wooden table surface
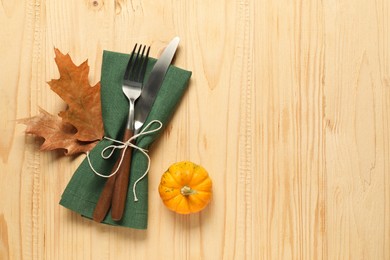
288, 109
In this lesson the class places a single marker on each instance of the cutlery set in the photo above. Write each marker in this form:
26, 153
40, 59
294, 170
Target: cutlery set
141, 98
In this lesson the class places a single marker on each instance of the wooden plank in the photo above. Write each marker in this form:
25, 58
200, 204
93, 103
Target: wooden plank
287, 108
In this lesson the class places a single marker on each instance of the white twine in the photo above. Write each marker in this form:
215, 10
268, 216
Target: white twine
125, 145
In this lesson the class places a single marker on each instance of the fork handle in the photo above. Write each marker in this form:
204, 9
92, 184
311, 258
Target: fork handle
104, 203
106, 197
122, 182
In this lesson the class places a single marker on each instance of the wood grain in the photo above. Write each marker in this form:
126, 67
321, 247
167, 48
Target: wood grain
288, 109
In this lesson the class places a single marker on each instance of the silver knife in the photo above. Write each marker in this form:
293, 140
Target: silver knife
150, 89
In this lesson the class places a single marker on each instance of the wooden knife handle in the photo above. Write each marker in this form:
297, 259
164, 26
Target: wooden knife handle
122, 182
106, 197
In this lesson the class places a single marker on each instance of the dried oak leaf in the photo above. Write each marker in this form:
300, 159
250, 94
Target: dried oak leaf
84, 108
56, 133
80, 126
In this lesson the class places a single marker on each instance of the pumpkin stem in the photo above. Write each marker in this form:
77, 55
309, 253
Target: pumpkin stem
186, 191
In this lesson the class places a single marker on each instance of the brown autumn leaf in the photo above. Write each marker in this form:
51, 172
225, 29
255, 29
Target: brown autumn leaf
80, 126
84, 109
56, 133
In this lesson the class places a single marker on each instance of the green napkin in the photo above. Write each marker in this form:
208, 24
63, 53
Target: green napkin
84, 188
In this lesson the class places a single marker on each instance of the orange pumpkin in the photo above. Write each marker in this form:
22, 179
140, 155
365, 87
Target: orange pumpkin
185, 187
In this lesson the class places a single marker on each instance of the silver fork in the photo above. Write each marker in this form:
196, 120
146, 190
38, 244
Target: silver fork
114, 193
133, 80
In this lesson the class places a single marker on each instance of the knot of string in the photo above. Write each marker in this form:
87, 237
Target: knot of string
108, 151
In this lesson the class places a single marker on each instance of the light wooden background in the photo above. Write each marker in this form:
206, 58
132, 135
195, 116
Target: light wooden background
288, 109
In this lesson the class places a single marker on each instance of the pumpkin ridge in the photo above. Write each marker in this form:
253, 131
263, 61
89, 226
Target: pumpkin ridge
172, 197
190, 205
168, 174
178, 203
196, 209
201, 176
192, 175
173, 177
197, 182
199, 197
166, 193
168, 187
198, 185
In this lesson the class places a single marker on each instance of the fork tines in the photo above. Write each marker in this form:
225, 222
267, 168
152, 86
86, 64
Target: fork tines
137, 64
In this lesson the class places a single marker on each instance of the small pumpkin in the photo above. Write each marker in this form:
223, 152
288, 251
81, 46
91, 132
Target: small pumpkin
185, 187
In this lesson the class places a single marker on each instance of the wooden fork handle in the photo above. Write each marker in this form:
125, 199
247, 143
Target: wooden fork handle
106, 199
122, 182
104, 203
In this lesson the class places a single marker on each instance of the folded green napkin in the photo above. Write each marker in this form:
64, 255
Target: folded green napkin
84, 188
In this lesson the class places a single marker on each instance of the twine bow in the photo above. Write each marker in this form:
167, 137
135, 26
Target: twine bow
124, 145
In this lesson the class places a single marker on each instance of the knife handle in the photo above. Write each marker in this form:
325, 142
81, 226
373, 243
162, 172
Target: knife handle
104, 203
122, 182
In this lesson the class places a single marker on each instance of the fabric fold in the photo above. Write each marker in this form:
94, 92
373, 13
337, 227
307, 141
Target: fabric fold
84, 188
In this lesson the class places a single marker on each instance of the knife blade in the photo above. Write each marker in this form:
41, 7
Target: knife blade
149, 91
